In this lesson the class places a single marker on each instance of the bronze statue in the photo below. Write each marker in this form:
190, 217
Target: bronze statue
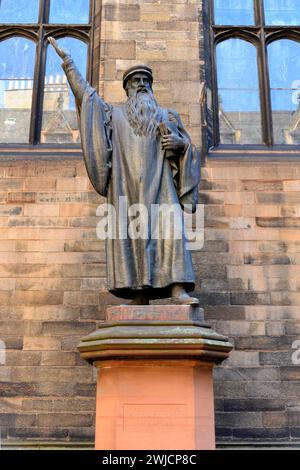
141, 152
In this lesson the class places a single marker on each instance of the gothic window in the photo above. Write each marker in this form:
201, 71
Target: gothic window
36, 103
238, 90
253, 74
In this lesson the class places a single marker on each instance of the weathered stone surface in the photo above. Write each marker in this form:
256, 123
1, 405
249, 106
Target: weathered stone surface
156, 332
154, 313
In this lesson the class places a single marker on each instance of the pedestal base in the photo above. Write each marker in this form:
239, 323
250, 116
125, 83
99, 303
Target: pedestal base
155, 378
155, 405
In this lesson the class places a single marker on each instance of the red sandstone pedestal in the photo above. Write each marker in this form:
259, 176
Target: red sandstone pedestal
155, 378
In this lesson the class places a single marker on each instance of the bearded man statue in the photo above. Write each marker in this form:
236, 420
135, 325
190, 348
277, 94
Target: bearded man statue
141, 152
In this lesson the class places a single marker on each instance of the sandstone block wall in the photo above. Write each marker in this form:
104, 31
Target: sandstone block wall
249, 275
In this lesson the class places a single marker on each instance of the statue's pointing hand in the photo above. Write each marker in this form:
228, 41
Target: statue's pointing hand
61, 52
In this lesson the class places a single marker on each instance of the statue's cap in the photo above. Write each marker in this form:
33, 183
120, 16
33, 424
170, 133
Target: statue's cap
137, 69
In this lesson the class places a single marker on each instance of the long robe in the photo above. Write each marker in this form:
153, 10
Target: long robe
121, 164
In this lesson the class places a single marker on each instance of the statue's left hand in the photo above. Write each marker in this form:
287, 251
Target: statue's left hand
174, 142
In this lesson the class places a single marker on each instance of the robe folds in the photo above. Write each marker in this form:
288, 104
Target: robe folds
121, 164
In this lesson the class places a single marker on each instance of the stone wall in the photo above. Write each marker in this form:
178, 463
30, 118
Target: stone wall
249, 273
160, 33
52, 267
52, 270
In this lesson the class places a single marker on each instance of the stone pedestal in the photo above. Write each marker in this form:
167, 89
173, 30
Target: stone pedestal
155, 378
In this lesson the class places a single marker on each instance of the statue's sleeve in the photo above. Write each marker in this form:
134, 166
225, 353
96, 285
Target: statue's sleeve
94, 118
189, 171
77, 83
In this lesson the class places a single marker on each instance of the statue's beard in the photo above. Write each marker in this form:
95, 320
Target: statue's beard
143, 113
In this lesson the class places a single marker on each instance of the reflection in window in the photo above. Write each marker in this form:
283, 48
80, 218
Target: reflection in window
26, 11
59, 114
234, 12
282, 12
238, 89
285, 90
16, 84
69, 11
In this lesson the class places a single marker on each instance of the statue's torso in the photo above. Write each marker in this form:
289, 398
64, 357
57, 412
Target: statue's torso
139, 165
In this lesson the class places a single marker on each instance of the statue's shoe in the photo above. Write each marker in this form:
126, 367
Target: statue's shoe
185, 299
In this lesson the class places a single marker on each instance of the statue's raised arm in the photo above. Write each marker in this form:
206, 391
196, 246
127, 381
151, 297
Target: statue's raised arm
94, 120
78, 84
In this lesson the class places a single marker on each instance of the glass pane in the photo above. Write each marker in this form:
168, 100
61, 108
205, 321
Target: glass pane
69, 11
26, 11
238, 89
285, 90
16, 84
59, 115
284, 12
234, 12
